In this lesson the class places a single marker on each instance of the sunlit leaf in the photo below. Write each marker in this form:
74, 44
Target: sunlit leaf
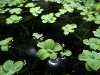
49, 44
67, 53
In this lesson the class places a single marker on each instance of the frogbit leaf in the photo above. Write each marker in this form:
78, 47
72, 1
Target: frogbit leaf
57, 47
88, 67
8, 65
93, 63
5, 41
48, 18
92, 59
67, 53
97, 32
48, 49
15, 10
4, 48
41, 45
69, 28
13, 19
53, 56
94, 43
36, 11
82, 57
49, 44
2, 70
30, 5
43, 54
37, 35
18, 65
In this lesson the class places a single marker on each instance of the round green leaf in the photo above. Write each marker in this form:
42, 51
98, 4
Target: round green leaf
88, 67
18, 65
53, 55
67, 52
93, 63
45, 55
41, 52
2, 72
41, 45
6, 41
49, 44
4, 48
8, 65
83, 57
57, 47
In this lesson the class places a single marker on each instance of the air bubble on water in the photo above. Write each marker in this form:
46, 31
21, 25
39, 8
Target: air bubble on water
17, 72
12, 40
63, 45
9, 46
41, 38
34, 38
73, 71
25, 62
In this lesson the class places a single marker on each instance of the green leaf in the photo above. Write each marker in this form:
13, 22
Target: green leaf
37, 35
57, 14
11, 71
2, 72
97, 6
86, 41
87, 52
30, 5
57, 47
13, 19
53, 56
97, 32
96, 55
93, 63
8, 65
88, 67
62, 54
4, 48
89, 2
69, 28
48, 18
35, 11
15, 10
94, 43
49, 44
83, 57
18, 65
6, 41
45, 55
67, 53
41, 52
41, 45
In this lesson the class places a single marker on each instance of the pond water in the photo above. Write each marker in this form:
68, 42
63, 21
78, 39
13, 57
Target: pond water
23, 47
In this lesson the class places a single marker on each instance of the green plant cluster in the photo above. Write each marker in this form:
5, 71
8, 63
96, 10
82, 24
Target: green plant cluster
16, 11
4, 43
34, 9
69, 28
92, 59
10, 67
97, 32
37, 35
89, 11
49, 18
50, 49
